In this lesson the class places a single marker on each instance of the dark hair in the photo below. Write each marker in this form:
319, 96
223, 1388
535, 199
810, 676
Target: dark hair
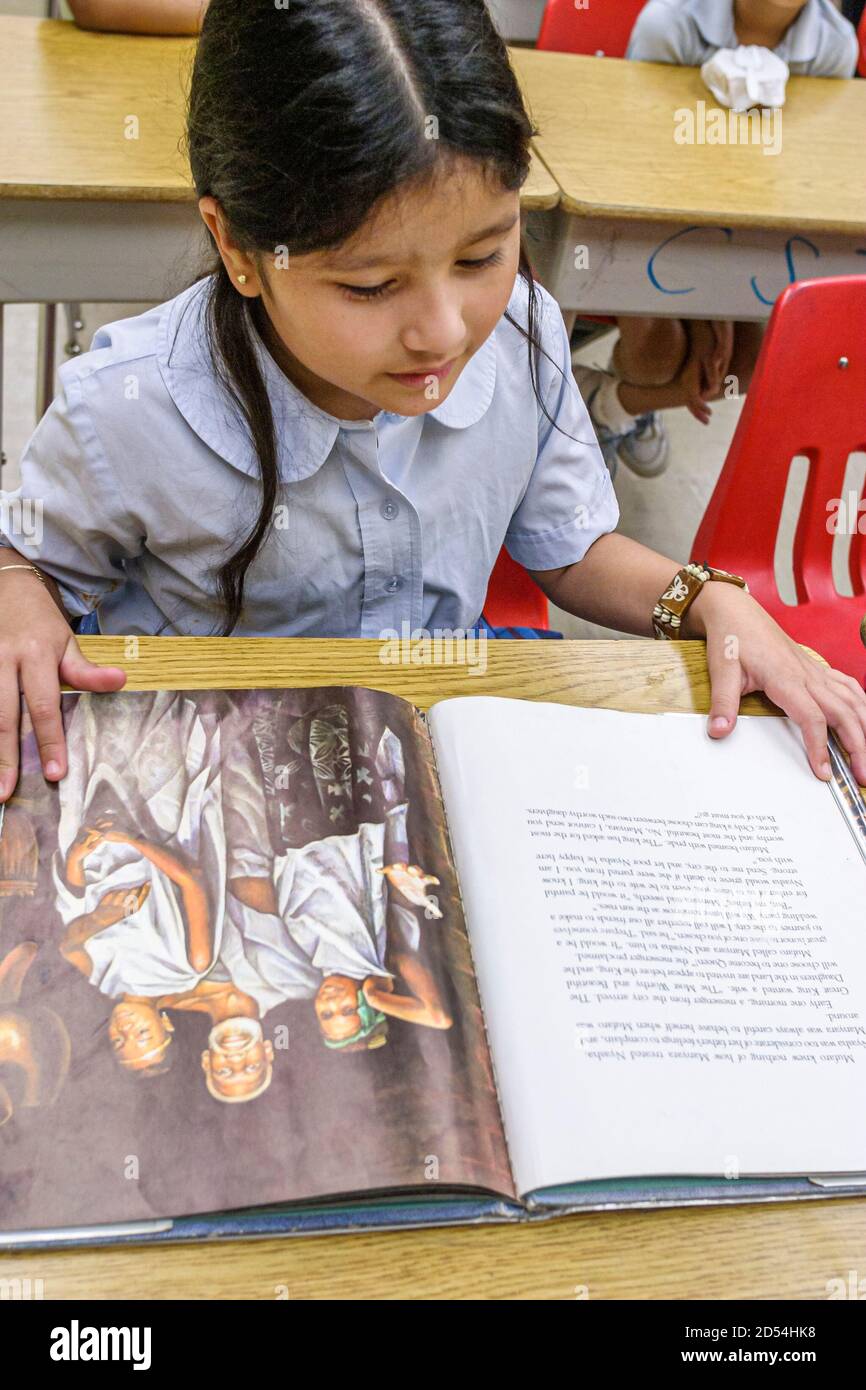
302, 117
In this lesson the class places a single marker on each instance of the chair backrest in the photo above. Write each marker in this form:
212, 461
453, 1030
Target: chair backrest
861, 34
603, 26
513, 598
807, 398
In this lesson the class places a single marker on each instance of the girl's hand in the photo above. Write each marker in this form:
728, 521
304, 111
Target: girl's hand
747, 651
37, 652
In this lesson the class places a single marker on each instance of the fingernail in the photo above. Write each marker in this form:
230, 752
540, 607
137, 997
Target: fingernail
825, 770
52, 769
5, 785
719, 724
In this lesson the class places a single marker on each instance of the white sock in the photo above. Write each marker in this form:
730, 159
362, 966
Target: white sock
607, 408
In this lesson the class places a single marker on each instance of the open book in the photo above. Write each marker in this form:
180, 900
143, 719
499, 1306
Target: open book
288, 960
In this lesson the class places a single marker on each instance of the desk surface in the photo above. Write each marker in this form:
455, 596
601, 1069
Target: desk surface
67, 97
67, 100
607, 136
780, 1251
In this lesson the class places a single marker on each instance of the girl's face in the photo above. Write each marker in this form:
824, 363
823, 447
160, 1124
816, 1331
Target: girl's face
389, 321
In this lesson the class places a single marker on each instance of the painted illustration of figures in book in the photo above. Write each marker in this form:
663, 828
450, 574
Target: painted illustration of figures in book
233, 963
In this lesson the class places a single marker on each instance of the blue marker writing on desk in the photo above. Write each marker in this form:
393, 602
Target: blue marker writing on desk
664, 281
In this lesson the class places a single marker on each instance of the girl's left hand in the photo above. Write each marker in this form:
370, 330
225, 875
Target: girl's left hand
748, 651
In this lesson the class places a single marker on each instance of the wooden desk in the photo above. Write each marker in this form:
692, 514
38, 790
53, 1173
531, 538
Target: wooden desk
90, 126
540, 193
788, 1250
91, 131
692, 230
123, 209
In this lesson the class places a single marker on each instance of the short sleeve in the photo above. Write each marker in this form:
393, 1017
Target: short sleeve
67, 516
569, 501
838, 49
661, 35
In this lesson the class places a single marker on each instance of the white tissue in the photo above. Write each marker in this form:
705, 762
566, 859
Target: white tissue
746, 76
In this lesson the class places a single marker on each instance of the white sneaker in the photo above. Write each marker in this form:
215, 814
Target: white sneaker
646, 448
610, 422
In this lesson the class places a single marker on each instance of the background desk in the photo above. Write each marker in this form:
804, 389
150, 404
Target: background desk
96, 199
788, 1250
692, 230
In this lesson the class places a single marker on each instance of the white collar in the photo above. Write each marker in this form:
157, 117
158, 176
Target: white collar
305, 434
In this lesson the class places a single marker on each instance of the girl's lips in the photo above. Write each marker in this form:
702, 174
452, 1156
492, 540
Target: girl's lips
421, 378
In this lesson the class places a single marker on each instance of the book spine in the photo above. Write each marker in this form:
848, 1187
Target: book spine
432, 743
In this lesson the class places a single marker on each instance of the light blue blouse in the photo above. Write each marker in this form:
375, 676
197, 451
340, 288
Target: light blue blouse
820, 42
147, 480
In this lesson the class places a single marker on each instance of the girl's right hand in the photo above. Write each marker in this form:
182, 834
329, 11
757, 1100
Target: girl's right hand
37, 652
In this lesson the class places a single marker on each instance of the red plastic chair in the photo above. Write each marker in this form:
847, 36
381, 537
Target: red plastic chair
603, 28
513, 598
807, 397
861, 34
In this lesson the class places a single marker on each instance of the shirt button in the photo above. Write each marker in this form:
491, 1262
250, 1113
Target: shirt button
393, 584
389, 510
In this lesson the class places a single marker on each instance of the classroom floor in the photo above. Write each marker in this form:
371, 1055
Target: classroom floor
662, 512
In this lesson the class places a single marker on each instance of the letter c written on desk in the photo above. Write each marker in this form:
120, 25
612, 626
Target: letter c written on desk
727, 232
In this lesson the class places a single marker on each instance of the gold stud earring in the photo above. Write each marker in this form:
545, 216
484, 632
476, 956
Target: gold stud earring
242, 279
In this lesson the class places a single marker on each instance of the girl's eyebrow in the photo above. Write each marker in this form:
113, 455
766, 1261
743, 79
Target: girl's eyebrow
370, 262
499, 229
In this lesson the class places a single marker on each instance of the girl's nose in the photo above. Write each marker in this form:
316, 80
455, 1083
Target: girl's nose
436, 329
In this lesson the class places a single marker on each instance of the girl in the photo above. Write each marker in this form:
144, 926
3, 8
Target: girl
335, 429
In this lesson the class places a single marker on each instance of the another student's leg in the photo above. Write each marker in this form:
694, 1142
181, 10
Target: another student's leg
649, 354
650, 351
